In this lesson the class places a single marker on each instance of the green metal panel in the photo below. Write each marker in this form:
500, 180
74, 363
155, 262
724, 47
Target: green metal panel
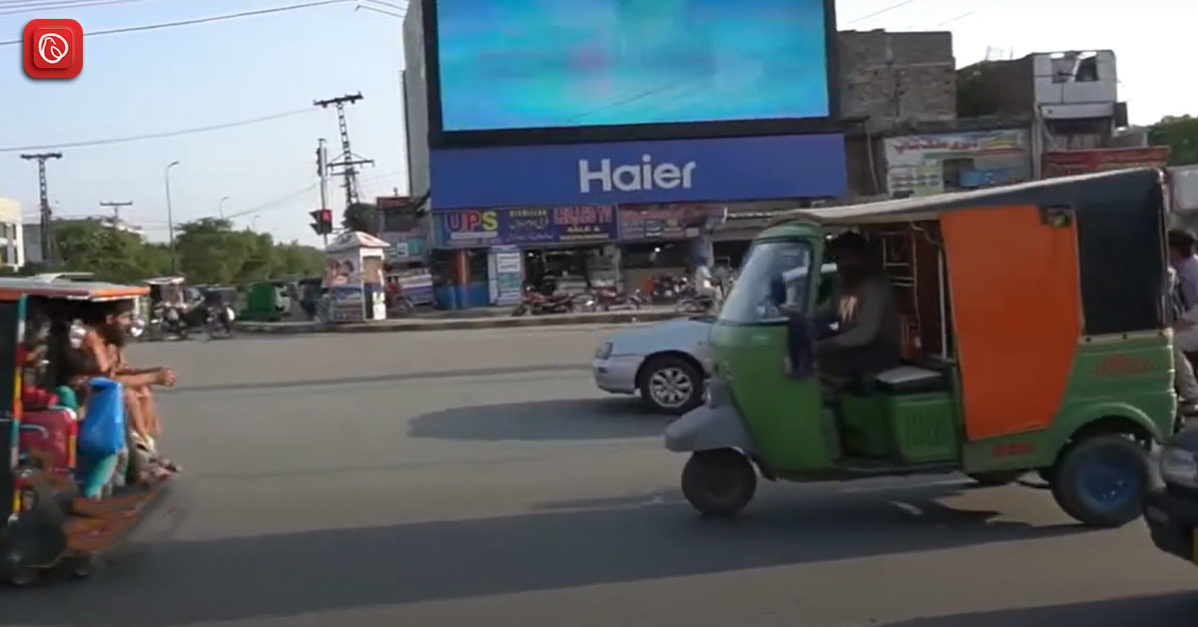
783, 416
924, 427
864, 426
1122, 376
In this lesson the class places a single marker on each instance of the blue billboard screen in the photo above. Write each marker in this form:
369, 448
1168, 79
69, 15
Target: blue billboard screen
530, 64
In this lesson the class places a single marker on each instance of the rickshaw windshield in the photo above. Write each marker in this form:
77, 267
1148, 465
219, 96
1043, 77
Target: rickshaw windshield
775, 274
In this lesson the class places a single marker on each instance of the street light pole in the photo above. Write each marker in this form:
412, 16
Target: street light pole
170, 216
221, 210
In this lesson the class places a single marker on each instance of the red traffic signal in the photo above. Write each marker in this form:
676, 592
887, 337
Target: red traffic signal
323, 224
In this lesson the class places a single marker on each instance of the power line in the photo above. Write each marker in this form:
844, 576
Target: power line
198, 20
32, 7
897, 5
162, 135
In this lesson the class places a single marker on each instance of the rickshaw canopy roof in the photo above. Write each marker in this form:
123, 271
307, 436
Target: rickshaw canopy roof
921, 208
166, 280
14, 288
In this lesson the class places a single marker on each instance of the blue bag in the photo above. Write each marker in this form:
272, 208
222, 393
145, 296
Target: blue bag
102, 432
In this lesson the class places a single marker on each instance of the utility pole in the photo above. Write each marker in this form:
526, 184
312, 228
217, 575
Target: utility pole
347, 161
116, 212
47, 240
322, 168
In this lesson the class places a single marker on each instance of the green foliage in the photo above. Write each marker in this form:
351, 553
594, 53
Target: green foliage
361, 216
1180, 134
207, 251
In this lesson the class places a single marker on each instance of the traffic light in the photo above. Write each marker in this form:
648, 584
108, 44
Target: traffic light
323, 224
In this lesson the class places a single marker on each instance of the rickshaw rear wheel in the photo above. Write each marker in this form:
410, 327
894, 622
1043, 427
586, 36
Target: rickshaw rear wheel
1101, 480
719, 483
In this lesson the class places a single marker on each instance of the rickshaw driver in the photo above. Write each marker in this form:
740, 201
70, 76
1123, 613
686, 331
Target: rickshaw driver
868, 338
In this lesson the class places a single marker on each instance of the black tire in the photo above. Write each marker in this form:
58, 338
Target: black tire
79, 566
719, 483
671, 385
997, 477
520, 310
1101, 480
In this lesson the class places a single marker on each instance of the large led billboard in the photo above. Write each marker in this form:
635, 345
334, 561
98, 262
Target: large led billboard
532, 71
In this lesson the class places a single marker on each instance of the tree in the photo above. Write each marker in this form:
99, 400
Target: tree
208, 251
111, 254
1180, 134
361, 216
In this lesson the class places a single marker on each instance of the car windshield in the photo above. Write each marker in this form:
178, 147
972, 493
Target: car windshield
775, 273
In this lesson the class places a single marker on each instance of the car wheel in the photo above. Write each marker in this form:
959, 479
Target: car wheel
719, 483
1101, 480
671, 385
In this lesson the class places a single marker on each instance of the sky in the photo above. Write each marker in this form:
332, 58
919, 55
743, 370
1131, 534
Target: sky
193, 76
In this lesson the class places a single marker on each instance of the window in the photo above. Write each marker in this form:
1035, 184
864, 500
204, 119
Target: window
775, 274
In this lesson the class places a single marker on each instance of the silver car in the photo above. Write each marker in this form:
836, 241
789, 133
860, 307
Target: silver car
667, 363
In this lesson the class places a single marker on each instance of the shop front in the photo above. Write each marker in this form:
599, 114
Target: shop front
661, 239
924, 165
566, 248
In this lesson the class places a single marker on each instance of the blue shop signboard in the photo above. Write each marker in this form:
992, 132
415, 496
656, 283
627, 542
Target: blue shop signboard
476, 228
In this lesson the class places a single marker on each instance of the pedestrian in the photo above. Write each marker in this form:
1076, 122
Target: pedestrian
1183, 261
1184, 329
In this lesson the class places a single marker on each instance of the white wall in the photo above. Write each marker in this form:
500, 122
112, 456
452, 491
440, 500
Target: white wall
12, 250
416, 99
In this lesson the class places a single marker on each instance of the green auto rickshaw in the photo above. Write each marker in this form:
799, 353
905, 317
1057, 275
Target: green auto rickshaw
1032, 340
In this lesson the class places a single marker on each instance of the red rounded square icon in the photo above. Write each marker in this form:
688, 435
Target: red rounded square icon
53, 48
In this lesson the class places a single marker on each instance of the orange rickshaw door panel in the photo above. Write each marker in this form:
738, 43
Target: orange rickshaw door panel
1016, 306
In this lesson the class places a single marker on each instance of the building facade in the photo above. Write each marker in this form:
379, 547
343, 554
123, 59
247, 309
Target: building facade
12, 251
596, 190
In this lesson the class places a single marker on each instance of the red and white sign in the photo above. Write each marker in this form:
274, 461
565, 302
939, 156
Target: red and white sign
1068, 162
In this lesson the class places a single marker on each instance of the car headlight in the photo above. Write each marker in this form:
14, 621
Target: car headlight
1179, 467
604, 351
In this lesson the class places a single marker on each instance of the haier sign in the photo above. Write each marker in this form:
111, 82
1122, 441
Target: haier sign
710, 170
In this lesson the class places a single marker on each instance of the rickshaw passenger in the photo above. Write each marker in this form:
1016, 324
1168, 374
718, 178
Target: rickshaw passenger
105, 339
868, 338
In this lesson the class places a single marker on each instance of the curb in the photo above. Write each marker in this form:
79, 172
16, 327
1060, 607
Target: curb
621, 317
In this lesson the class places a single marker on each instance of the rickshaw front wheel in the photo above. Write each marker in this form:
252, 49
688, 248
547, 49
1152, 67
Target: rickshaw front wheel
13, 573
719, 483
1101, 480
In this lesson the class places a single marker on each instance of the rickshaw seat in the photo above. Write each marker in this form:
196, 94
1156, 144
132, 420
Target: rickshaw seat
52, 432
909, 379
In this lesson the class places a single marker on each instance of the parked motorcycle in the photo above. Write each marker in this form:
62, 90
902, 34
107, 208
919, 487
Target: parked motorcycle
167, 320
535, 303
667, 288
137, 330
608, 298
695, 303
220, 321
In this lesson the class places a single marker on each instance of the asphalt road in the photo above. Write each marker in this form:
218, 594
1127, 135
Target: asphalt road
456, 479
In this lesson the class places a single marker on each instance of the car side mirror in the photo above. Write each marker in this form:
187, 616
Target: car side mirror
800, 346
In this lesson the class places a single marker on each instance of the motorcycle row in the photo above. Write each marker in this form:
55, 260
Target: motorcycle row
172, 311
666, 290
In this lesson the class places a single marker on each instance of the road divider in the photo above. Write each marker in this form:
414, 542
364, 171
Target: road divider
449, 324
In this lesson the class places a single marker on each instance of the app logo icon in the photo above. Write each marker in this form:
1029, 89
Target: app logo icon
53, 48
